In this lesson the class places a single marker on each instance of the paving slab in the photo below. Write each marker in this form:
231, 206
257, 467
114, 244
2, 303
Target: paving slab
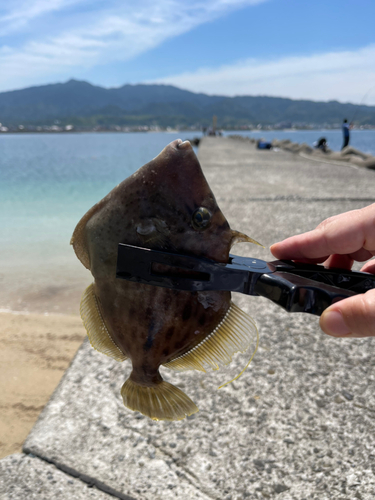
24, 477
298, 424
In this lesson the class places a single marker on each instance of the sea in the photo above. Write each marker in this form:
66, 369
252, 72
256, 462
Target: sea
48, 181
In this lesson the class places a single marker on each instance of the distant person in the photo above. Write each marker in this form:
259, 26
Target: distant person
321, 144
345, 133
263, 144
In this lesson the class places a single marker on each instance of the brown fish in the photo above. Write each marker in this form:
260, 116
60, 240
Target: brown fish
166, 205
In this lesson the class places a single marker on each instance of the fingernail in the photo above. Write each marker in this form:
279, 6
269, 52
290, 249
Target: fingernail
333, 323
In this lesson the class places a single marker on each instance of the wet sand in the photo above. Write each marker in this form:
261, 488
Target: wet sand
36, 349
40, 339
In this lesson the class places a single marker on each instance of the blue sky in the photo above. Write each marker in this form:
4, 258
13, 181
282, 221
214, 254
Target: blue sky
319, 50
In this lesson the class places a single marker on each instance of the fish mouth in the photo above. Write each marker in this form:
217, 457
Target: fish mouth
179, 144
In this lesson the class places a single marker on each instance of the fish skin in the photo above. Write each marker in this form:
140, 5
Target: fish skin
153, 208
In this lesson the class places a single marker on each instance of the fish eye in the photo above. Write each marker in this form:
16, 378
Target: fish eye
201, 219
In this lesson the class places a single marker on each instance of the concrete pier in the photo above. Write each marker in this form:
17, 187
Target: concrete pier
299, 424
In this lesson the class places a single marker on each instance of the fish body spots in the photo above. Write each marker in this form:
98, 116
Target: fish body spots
132, 312
186, 312
166, 302
179, 344
188, 208
169, 333
149, 343
154, 327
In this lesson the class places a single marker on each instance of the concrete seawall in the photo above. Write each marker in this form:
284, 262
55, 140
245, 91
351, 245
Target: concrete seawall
299, 424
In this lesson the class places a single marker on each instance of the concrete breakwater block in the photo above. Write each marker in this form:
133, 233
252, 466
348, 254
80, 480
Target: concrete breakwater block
24, 477
86, 427
298, 424
299, 420
348, 154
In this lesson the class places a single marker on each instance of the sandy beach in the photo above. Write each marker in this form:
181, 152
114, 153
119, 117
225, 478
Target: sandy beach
36, 350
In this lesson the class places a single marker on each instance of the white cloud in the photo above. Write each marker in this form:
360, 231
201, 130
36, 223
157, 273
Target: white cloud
20, 13
346, 76
119, 31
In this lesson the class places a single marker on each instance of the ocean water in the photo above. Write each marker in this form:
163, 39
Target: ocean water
48, 181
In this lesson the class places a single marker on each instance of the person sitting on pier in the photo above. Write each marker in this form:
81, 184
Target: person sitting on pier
263, 144
321, 144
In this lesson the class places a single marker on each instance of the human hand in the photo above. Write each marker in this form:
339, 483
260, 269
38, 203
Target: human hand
338, 242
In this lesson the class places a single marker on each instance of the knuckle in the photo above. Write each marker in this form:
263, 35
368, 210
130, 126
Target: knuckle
363, 314
327, 222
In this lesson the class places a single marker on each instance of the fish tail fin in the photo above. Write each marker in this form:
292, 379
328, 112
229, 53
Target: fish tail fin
162, 401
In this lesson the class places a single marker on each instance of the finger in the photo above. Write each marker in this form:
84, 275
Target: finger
342, 234
312, 261
361, 255
352, 317
296, 248
369, 267
339, 261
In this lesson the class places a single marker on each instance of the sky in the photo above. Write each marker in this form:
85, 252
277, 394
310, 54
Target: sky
321, 50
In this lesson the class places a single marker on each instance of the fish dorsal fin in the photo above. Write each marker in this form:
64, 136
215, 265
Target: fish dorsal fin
235, 333
97, 331
78, 239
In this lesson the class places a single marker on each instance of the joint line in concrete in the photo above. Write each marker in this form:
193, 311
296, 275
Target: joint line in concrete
90, 481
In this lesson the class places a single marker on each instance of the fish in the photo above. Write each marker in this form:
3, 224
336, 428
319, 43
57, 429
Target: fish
165, 205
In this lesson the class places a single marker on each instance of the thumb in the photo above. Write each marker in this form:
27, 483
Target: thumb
352, 317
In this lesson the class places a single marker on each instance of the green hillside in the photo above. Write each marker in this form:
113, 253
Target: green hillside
81, 104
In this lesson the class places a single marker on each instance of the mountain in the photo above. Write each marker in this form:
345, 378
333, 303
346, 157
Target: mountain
82, 104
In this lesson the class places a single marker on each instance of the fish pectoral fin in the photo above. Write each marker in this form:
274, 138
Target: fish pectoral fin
163, 401
236, 332
238, 237
97, 331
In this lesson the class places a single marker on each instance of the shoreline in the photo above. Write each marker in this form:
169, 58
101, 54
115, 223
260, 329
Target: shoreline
173, 130
40, 332
28, 313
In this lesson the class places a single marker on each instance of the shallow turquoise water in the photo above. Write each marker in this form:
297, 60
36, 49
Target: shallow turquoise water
47, 183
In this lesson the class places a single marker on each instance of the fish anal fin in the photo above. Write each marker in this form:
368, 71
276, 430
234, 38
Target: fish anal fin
97, 331
162, 401
235, 333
